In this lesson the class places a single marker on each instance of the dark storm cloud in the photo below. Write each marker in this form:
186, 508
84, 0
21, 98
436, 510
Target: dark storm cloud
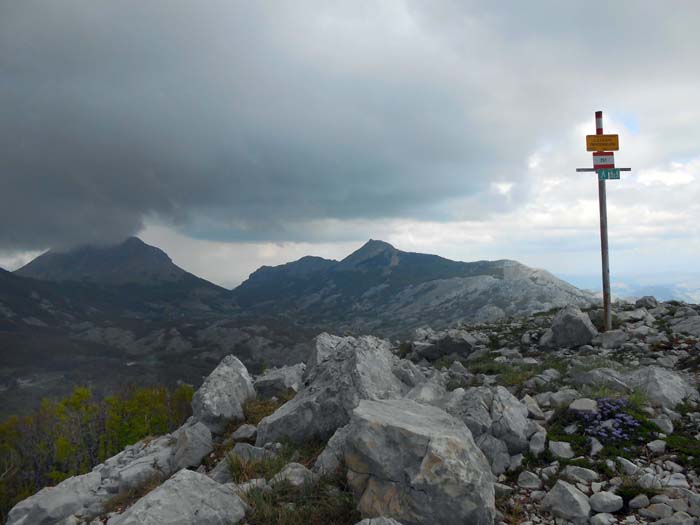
251, 120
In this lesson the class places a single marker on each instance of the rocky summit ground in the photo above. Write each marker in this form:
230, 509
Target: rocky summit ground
540, 419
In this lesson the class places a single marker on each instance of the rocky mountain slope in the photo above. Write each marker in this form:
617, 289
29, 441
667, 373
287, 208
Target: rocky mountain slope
538, 419
383, 290
78, 316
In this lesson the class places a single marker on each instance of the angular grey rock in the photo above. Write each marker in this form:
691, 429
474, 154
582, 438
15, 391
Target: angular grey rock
628, 467
356, 369
529, 480
657, 511
434, 345
492, 410
657, 447
325, 346
612, 339
678, 518
566, 501
563, 398
295, 474
580, 474
561, 449
52, 504
330, 460
245, 432
606, 377
537, 442
417, 464
606, 502
584, 404
278, 381
220, 398
193, 444
473, 407
249, 452
647, 302
428, 393
689, 326
639, 501
188, 498
221, 473
662, 387
664, 423
533, 409
570, 328
604, 518
509, 420
408, 373
496, 452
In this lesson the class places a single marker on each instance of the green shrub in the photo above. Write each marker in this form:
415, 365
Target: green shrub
68, 437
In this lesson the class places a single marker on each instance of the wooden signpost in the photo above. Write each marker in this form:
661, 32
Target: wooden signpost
603, 147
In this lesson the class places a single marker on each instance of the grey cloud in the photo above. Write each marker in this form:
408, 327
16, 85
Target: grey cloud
256, 121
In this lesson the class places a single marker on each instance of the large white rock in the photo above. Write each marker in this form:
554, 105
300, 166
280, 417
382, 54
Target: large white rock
136, 464
356, 369
492, 410
221, 397
193, 443
605, 502
570, 328
279, 381
52, 504
566, 501
188, 498
664, 388
417, 464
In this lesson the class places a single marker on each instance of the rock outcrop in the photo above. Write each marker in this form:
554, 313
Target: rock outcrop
355, 369
220, 398
188, 498
279, 381
570, 328
417, 464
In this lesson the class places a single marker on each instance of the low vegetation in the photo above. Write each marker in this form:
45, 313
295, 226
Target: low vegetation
267, 467
325, 501
625, 434
68, 437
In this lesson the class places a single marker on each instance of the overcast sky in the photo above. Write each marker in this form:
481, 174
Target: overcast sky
234, 134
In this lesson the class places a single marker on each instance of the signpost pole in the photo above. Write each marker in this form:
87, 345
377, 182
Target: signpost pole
602, 201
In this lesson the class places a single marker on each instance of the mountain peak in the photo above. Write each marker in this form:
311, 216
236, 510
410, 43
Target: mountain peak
129, 261
371, 249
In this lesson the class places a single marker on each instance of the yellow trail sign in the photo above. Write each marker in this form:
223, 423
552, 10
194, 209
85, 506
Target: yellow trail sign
602, 143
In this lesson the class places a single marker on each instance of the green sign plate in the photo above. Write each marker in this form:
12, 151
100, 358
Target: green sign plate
609, 174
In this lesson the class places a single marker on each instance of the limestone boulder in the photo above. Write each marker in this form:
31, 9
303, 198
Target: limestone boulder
417, 464
221, 397
279, 381
566, 501
53, 504
193, 444
188, 498
492, 410
570, 328
358, 368
663, 388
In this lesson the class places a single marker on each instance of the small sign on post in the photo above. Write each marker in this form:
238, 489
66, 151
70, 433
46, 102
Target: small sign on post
603, 147
608, 174
602, 142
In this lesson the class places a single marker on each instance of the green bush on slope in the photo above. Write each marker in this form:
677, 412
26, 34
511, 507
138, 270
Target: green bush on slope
69, 437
